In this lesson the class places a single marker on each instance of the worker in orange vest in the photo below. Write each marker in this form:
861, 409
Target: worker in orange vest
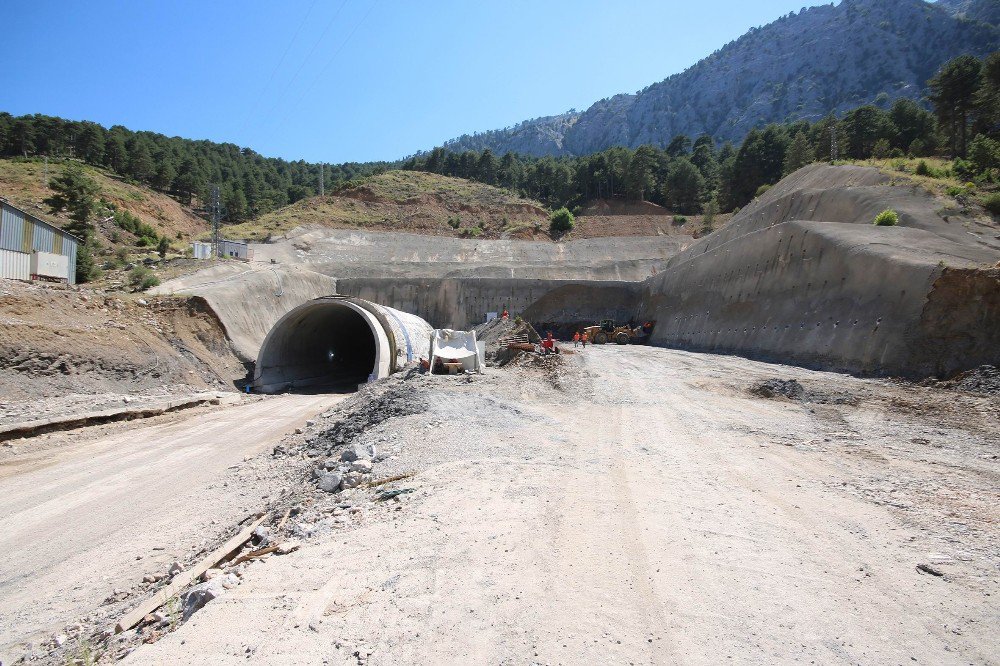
548, 344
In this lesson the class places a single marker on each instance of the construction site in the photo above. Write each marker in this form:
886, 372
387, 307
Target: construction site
775, 442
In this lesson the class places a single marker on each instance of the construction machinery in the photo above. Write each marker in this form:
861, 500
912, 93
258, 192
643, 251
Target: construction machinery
607, 331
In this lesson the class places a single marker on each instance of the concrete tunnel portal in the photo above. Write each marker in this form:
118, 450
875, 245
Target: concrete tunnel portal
336, 343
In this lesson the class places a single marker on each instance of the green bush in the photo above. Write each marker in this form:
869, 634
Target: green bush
922, 169
680, 219
955, 191
142, 278
887, 218
121, 257
762, 189
991, 202
561, 221
454, 222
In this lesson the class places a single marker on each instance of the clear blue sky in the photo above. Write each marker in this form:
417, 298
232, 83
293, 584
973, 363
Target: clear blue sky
352, 79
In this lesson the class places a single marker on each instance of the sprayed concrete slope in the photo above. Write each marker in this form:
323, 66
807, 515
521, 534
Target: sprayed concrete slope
799, 276
360, 254
803, 276
250, 298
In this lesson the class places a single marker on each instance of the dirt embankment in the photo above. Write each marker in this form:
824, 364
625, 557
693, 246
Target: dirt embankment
57, 340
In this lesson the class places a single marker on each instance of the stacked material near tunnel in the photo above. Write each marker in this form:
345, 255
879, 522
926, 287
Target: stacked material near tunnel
338, 342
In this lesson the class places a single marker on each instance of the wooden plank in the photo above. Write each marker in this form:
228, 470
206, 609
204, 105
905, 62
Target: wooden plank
181, 580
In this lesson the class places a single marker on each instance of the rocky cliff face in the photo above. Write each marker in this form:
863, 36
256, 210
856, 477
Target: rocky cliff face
804, 65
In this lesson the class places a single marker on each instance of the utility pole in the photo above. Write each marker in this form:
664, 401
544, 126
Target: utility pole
46, 182
833, 142
216, 215
322, 168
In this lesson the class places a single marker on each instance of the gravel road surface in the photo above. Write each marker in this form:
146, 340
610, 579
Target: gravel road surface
640, 505
96, 513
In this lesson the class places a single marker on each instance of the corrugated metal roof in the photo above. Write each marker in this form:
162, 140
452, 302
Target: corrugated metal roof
6, 205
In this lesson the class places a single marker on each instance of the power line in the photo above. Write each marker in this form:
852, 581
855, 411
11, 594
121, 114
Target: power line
334, 56
274, 71
284, 92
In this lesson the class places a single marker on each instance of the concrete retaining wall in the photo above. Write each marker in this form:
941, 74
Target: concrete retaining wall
463, 302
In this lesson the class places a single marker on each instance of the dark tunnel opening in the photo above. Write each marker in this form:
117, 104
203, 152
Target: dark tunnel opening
326, 347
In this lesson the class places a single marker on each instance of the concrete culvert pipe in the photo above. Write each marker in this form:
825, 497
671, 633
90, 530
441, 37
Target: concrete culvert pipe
336, 343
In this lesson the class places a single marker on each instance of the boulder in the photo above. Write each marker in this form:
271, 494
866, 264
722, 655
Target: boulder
352, 480
199, 595
330, 482
362, 466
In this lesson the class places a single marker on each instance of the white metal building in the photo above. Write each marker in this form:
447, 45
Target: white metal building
31, 248
235, 250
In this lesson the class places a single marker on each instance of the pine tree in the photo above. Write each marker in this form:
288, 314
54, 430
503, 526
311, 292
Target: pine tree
74, 191
116, 154
140, 163
164, 176
237, 209
953, 93
90, 143
799, 154
684, 187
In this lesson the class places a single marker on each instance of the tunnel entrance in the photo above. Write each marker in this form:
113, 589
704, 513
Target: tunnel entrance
325, 345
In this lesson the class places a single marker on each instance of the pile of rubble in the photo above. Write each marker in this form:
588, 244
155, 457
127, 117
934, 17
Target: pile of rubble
507, 339
985, 379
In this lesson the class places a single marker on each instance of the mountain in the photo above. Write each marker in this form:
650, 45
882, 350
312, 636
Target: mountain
802, 66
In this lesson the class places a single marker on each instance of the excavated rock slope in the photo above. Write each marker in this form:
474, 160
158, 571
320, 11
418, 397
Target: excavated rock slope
802, 276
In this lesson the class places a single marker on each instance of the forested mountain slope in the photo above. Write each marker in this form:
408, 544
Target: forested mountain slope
802, 66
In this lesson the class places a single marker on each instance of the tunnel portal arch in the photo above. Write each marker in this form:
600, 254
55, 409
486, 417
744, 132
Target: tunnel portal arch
337, 343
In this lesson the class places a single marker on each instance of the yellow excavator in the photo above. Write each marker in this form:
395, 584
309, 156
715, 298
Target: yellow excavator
607, 332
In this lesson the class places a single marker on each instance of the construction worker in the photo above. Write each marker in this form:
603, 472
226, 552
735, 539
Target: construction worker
576, 339
505, 314
583, 339
548, 344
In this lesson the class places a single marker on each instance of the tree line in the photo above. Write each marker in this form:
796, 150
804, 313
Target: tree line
692, 175
249, 183
687, 175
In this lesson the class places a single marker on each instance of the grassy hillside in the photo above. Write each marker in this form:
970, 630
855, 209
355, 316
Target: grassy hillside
23, 183
408, 201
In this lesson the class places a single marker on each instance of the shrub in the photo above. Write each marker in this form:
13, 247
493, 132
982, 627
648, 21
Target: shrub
762, 189
121, 257
142, 278
992, 203
561, 221
680, 219
454, 222
887, 218
882, 149
922, 169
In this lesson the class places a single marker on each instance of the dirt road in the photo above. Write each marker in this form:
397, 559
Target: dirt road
641, 506
78, 521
